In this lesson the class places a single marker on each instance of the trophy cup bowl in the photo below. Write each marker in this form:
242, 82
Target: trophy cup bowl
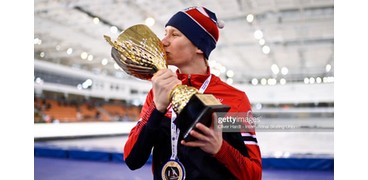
140, 53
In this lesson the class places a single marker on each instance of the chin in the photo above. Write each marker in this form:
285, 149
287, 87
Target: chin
169, 61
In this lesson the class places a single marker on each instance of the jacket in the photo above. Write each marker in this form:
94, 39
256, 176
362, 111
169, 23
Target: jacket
238, 158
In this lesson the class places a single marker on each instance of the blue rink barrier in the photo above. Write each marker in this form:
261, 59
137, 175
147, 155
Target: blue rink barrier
297, 162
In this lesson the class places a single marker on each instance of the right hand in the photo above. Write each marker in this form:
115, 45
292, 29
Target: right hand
163, 81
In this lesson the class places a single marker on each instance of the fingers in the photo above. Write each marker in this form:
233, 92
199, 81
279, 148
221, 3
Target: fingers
163, 74
205, 142
205, 130
198, 135
207, 138
165, 79
162, 83
193, 143
214, 119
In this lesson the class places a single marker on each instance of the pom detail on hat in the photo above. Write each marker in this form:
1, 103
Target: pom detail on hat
220, 24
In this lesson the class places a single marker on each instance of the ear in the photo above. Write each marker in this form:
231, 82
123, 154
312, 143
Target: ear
199, 51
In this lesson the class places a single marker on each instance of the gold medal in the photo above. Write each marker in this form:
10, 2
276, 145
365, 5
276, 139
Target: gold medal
173, 170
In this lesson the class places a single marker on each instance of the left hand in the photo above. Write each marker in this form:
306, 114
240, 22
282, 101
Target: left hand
210, 140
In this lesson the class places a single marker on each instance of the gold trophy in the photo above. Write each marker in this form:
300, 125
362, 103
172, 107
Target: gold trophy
140, 53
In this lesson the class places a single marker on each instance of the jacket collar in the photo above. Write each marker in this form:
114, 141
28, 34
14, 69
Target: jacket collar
195, 80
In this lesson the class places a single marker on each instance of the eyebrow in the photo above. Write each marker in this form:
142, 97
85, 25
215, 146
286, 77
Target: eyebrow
175, 31
171, 30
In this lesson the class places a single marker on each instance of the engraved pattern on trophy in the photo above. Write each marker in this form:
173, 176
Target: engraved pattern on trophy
140, 53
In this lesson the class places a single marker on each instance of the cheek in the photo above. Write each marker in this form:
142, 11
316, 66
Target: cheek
185, 48
179, 45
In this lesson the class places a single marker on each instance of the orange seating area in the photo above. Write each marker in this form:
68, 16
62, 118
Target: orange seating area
133, 112
63, 111
114, 109
87, 112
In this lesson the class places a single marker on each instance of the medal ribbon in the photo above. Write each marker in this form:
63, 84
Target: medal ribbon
174, 131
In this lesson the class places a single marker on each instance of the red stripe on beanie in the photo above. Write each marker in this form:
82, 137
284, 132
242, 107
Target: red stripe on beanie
205, 22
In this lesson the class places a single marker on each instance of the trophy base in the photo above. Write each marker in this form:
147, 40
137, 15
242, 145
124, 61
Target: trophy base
199, 109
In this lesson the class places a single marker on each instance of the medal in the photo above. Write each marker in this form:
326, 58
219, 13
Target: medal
173, 170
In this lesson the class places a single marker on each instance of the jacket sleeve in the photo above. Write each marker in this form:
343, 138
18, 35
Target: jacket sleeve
138, 146
247, 168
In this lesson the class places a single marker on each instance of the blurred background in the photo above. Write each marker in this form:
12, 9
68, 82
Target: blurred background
279, 52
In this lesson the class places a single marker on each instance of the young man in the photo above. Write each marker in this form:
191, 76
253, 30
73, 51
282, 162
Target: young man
190, 36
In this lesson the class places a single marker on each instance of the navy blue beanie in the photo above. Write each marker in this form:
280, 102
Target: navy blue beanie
199, 25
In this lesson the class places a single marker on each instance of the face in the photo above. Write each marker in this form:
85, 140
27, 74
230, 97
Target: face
180, 50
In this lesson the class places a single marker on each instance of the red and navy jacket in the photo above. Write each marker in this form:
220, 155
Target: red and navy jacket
239, 156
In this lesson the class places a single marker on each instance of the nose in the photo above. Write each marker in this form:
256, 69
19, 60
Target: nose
165, 41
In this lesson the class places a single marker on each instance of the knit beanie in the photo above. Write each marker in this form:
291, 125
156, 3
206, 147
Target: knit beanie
199, 25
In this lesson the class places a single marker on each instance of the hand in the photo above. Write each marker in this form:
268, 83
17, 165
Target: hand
162, 84
211, 139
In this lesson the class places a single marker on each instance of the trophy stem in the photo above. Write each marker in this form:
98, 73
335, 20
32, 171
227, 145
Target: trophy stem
180, 95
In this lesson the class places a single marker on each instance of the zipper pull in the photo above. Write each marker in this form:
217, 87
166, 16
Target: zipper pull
189, 83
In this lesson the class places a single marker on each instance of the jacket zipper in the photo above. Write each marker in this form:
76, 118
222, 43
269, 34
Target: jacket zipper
189, 83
